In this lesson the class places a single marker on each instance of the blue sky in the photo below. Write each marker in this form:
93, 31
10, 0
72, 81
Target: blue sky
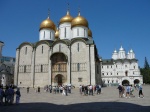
113, 23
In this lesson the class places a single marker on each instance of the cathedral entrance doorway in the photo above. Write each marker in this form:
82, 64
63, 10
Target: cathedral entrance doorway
136, 81
125, 82
59, 68
59, 79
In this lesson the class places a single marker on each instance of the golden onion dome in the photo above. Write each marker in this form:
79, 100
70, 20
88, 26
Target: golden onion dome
89, 33
48, 24
79, 21
66, 18
57, 34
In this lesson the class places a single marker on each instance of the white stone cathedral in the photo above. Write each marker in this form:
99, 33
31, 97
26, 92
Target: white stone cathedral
63, 55
121, 69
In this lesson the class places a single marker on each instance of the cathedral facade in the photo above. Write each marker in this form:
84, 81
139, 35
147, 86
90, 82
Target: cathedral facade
63, 55
121, 69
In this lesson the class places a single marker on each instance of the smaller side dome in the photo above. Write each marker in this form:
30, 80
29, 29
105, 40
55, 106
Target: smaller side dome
57, 34
48, 24
89, 33
121, 48
66, 18
79, 21
115, 51
131, 51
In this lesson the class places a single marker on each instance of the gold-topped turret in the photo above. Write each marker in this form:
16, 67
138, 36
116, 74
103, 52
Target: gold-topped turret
89, 33
66, 18
48, 24
79, 21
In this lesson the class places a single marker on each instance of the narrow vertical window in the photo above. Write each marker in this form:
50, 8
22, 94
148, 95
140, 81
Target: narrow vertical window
24, 68
97, 69
78, 47
26, 50
59, 47
44, 34
78, 66
42, 49
84, 32
65, 33
59, 68
50, 35
41, 68
77, 32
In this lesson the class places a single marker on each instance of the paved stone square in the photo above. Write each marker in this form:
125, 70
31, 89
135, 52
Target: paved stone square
108, 101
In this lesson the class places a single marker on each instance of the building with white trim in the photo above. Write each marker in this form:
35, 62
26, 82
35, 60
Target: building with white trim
121, 69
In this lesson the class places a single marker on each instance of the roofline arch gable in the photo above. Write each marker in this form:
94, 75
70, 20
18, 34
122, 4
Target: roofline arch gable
59, 41
25, 43
42, 42
78, 39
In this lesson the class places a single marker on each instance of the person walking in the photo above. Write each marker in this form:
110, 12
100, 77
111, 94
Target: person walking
18, 95
120, 90
140, 91
128, 89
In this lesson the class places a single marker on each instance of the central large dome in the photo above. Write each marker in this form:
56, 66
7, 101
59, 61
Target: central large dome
79, 21
66, 18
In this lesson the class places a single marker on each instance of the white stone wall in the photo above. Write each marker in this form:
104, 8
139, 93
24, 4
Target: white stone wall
63, 48
41, 79
80, 32
116, 72
62, 27
25, 58
46, 34
42, 58
79, 57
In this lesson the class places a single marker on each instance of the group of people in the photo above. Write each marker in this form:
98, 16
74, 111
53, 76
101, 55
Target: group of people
8, 94
63, 89
127, 91
89, 89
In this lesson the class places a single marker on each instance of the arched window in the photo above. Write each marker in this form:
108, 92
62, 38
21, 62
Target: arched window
59, 68
65, 33
126, 73
41, 68
78, 47
78, 66
44, 35
59, 47
26, 50
42, 49
78, 32
24, 68
50, 35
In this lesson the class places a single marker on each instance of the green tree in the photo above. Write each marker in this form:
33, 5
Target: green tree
146, 65
146, 72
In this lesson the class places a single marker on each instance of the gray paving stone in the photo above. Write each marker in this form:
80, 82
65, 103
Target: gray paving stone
108, 101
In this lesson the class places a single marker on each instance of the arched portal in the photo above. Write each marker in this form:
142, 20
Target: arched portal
59, 68
59, 79
125, 82
136, 81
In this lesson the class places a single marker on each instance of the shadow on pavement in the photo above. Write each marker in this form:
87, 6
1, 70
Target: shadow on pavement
80, 107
